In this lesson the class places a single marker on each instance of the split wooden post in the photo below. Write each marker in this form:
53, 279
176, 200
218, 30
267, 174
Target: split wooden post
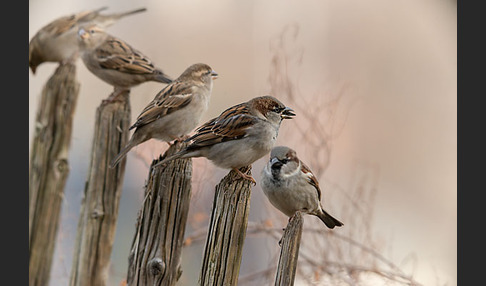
227, 230
99, 209
155, 255
289, 252
49, 168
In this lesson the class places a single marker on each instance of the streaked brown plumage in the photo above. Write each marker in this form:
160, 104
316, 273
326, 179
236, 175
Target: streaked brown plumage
176, 109
116, 62
57, 41
239, 136
290, 186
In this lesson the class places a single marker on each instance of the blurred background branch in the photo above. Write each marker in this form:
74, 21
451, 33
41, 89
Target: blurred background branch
374, 84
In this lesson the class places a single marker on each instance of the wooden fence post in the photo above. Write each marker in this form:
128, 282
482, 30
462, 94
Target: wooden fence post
289, 252
155, 255
49, 168
99, 209
227, 230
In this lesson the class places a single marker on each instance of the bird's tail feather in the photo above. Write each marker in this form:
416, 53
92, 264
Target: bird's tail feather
168, 159
160, 76
123, 14
183, 154
101, 9
121, 155
90, 15
330, 221
105, 21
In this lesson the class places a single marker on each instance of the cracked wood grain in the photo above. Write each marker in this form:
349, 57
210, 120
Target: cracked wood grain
155, 256
49, 168
99, 208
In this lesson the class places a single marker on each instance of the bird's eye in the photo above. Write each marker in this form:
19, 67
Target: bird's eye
91, 31
285, 160
277, 109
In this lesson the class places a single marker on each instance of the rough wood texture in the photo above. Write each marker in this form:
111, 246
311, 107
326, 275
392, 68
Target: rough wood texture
289, 252
227, 230
155, 255
49, 168
99, 209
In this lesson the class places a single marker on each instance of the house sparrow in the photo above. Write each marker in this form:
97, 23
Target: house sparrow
56, 42
239, 136
291, 186
175, 111
116, 62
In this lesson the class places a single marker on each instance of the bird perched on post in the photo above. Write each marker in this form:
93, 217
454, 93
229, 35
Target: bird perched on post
176, 110
57, 41
291, 186
239, 136
116, 62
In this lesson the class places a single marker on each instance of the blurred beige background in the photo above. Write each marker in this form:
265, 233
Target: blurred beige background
398, 56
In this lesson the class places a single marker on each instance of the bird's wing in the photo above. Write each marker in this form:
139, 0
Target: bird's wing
163, 106
63, 24
311, 179
232, 124
117, 55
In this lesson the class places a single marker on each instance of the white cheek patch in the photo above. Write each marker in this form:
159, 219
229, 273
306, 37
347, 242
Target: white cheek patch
267, 170
291, 174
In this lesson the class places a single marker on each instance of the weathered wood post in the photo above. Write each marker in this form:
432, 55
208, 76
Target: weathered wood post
227, 230
49, 168
155, 255
289, 252
99, 209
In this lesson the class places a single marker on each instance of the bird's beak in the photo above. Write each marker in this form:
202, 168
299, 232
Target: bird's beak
287, 113
275, 163
82, 33
214, 75
273, 160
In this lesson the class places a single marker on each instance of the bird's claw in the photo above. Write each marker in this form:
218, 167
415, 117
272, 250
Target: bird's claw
245, 176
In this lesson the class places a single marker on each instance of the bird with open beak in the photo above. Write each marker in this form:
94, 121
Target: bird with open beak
239, 136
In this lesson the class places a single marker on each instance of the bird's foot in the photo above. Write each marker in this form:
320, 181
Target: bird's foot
178, 139
114, 96
71, 60
245, 176
182, 138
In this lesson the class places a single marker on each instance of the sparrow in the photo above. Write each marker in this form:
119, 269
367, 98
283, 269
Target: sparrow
56, 42
239, 136
116, 62
291, 186
175, 111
